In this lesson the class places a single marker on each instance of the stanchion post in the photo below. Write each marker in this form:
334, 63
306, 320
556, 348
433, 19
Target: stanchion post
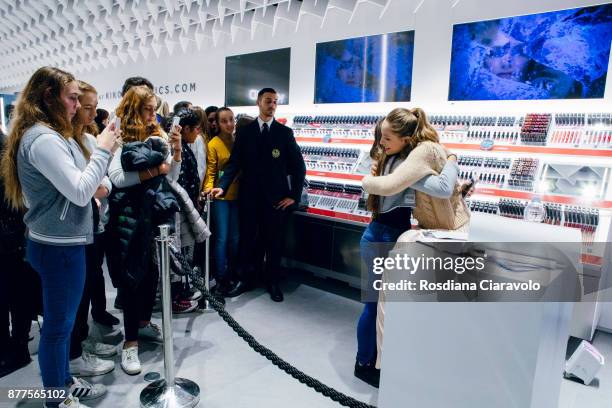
164, 261
169, 392
207, 257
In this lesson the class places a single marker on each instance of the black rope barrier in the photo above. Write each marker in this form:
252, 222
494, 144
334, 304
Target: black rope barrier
198, 281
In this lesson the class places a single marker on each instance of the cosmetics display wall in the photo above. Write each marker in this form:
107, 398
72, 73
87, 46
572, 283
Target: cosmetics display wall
563, 158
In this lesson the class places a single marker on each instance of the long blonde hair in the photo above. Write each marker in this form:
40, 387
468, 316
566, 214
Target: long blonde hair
90, 128
377, 154
40, 102
132, 125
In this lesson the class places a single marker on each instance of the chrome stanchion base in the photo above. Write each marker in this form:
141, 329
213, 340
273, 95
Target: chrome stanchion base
184, 394
206, 308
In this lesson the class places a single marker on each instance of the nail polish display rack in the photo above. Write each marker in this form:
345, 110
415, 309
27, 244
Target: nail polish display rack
556, 156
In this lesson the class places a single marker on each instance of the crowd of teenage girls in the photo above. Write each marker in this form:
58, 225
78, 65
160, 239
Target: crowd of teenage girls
82, 187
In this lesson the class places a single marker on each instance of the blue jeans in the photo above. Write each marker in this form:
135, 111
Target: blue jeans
62, 274
226, 236
374, 234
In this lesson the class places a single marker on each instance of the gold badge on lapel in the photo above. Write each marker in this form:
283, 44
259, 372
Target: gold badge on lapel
275, 153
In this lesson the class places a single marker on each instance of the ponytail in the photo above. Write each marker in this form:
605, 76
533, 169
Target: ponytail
423, 131
380, 157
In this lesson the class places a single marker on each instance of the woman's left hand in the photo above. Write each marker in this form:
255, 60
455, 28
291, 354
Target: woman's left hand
175, 141
101, 192
175, 138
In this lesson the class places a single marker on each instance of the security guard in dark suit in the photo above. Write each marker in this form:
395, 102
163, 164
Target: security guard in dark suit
272, 177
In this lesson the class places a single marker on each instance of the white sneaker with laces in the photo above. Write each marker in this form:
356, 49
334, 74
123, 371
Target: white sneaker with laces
89, 365
70, 402
99, 349
130, 361
84, 390
151, 332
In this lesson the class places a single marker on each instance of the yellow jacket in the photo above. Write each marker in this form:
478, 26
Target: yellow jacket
218, 156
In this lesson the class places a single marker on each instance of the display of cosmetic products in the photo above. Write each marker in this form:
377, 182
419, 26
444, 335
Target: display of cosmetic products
330, 158
566, 137
578, 130
337, 120
570, 119
336, 148
508, 121
523, 173
583, 138
535, 129
487, 207
587, 219
472, 161
512, 208
449, 120
484, 121
553, 213
500, 136
597, 138
604, 119
488, 162
347, 198
484, 170
497, 163
491, 178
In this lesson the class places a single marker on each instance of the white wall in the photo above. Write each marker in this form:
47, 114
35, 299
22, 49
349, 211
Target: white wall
432, 23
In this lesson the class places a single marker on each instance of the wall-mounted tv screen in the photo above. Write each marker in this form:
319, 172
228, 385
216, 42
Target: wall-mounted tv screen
246, 74
556, 55
377, 68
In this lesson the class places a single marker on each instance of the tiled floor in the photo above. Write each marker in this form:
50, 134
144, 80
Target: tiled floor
314, 329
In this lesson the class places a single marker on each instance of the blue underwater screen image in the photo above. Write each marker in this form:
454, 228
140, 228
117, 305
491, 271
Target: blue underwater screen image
376, 68
557, 55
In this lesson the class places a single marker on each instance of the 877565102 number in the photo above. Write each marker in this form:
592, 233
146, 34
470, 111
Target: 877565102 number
33, 393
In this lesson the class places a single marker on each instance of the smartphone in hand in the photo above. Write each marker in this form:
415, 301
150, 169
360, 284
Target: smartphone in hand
465, 190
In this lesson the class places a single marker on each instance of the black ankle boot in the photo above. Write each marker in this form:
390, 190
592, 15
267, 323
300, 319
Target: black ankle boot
368, 374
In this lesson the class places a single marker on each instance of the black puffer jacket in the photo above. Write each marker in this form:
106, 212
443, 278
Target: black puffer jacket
135, 212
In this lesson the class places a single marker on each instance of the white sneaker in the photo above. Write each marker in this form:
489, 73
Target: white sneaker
151, 332
89, 365
130, 361
84, 390
99, 349
70, 402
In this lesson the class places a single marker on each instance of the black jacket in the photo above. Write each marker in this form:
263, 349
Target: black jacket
12, 227
134, 214
266, 165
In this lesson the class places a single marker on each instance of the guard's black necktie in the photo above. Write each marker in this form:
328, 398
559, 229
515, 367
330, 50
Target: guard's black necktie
265, 139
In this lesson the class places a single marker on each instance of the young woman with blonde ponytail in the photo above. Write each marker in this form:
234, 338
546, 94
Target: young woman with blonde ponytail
441, 207
391, 214
45, 170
